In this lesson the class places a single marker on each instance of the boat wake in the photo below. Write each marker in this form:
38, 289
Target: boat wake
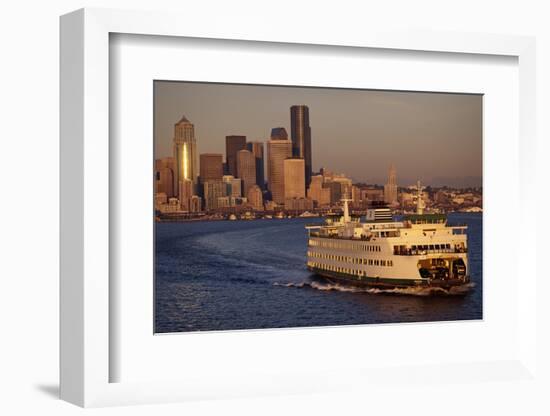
411, 291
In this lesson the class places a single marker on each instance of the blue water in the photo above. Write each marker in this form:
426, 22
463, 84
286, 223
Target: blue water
226, 275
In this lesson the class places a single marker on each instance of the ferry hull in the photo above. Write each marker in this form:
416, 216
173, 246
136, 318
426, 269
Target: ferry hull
387, 283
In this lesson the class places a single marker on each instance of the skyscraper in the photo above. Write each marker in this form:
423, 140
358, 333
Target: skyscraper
246, 169
279, 133
233, 144
278, 149
300, 134
185, 193
164, 170
185, 153
211, 166
390, 188
294, 179
257, 149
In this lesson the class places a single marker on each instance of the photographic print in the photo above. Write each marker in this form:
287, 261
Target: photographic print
288, 206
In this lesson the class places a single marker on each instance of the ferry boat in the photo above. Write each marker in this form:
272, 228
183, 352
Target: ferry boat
420, 250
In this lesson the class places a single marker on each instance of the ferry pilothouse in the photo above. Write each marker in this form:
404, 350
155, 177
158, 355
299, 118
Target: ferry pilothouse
417, 250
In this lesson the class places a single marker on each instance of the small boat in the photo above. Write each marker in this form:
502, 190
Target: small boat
308, 214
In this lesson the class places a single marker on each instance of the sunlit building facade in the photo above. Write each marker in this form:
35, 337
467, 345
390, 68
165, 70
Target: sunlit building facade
213, 190
185, 193
211, 166
294, 178
164, 176
185, 153
298, 204
255, 198
317, 192
246, 169
232, 185
277, 151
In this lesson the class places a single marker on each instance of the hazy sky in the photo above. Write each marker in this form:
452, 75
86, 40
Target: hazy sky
434, 137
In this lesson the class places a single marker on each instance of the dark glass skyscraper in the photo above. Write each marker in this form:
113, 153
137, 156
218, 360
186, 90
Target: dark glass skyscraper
233, 144
257, 148
300, 134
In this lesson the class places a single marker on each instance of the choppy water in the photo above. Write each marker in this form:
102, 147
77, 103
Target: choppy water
226, 275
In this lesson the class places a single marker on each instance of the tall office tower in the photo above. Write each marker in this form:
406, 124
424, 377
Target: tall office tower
185, 153
233, 144
390, 188
257, 149
300, 133
254, 196
277, 151
185, 193
317, 192
212, 191
294, 171
211, 167
164, 176
246, 169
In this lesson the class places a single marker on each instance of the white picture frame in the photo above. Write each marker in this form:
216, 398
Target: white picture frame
86, 356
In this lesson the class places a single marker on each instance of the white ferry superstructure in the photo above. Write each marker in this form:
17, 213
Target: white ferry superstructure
419, 250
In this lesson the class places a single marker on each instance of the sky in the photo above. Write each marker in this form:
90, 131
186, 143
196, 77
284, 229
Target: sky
432, 137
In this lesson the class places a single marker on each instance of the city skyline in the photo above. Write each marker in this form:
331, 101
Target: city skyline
432, 121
